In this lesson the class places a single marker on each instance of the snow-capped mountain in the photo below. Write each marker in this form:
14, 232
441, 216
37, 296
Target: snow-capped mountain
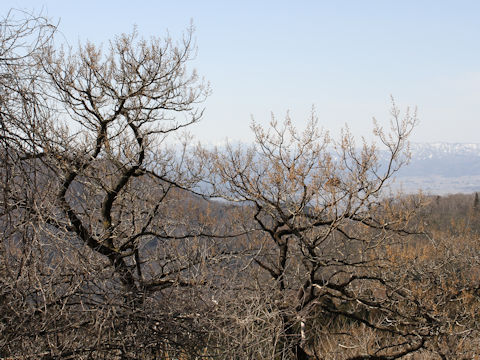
442, 168
435, 168
446, 159
430, 150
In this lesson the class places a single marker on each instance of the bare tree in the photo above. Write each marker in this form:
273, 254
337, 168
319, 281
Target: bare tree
325, 226
102, 250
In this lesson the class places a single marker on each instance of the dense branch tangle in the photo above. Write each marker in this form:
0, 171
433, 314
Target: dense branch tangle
109, 248
89, 176
124, 102
324, 222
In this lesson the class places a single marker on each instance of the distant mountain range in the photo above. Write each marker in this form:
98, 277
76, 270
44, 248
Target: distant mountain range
436, 168
440, 168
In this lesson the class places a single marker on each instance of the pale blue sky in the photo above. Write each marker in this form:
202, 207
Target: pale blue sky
343, 57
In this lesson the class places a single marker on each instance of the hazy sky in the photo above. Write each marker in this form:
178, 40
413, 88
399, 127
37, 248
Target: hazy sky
344, 57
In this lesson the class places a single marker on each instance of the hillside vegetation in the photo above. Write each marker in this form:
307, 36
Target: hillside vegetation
122, 239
